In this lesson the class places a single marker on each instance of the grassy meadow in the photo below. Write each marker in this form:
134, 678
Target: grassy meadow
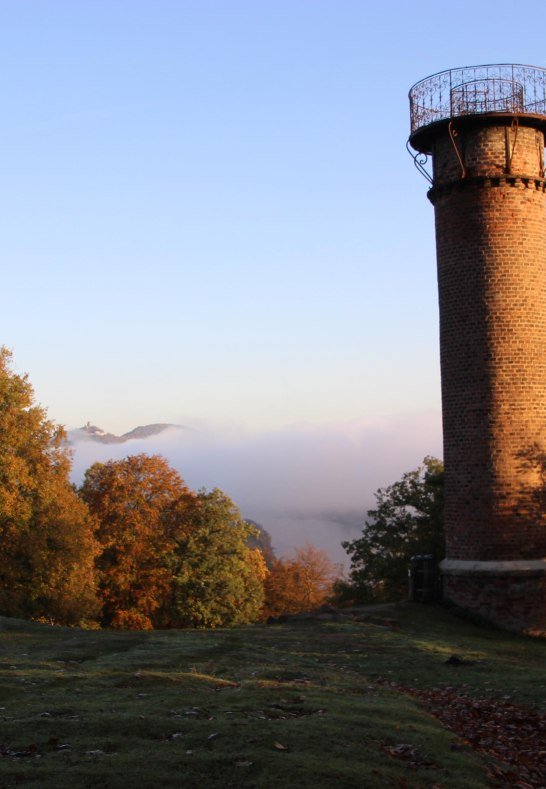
328, 702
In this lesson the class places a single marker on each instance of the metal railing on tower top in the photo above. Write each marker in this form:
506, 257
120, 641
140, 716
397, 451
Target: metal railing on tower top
473, 90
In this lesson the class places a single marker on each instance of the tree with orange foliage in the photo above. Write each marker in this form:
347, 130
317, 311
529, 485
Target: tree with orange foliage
299, 583
143, 508
46, 532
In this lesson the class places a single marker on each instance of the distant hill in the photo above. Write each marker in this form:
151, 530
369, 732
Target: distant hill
263, 542
91, 432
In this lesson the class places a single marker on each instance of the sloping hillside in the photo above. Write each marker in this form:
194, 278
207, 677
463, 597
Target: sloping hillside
333, 701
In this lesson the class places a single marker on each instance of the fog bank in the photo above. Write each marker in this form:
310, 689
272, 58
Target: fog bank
303, 483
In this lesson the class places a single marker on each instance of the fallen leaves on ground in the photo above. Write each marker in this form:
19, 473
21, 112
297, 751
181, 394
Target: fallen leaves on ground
30, 750
511, 733
410, 754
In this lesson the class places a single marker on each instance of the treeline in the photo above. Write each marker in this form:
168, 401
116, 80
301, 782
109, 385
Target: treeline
133, 547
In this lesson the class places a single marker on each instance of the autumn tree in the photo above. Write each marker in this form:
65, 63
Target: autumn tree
408, 519
300, 582
46, 532
217, 578
142, 507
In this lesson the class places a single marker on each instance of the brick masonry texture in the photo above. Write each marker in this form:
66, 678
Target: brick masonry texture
491, 252
514, 604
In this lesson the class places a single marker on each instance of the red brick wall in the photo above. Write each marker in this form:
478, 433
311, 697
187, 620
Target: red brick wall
491, 251
510, 602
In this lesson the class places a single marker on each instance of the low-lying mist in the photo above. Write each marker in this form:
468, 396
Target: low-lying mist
303, 483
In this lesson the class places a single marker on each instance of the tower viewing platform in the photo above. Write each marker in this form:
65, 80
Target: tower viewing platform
498, 92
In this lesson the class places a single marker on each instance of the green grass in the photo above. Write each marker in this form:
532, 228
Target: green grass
303, 704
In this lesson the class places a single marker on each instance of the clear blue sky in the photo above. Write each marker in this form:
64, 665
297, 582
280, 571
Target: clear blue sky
207, 208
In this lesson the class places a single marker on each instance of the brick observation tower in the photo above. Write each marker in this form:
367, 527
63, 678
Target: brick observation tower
484, 127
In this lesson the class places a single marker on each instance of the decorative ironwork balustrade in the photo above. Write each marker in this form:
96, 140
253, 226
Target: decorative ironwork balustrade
473, 90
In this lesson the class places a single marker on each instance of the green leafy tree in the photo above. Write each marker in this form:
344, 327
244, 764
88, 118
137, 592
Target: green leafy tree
408, 519
142, 507
46, 532
217, 578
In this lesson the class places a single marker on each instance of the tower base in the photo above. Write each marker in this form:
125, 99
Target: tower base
509, 594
